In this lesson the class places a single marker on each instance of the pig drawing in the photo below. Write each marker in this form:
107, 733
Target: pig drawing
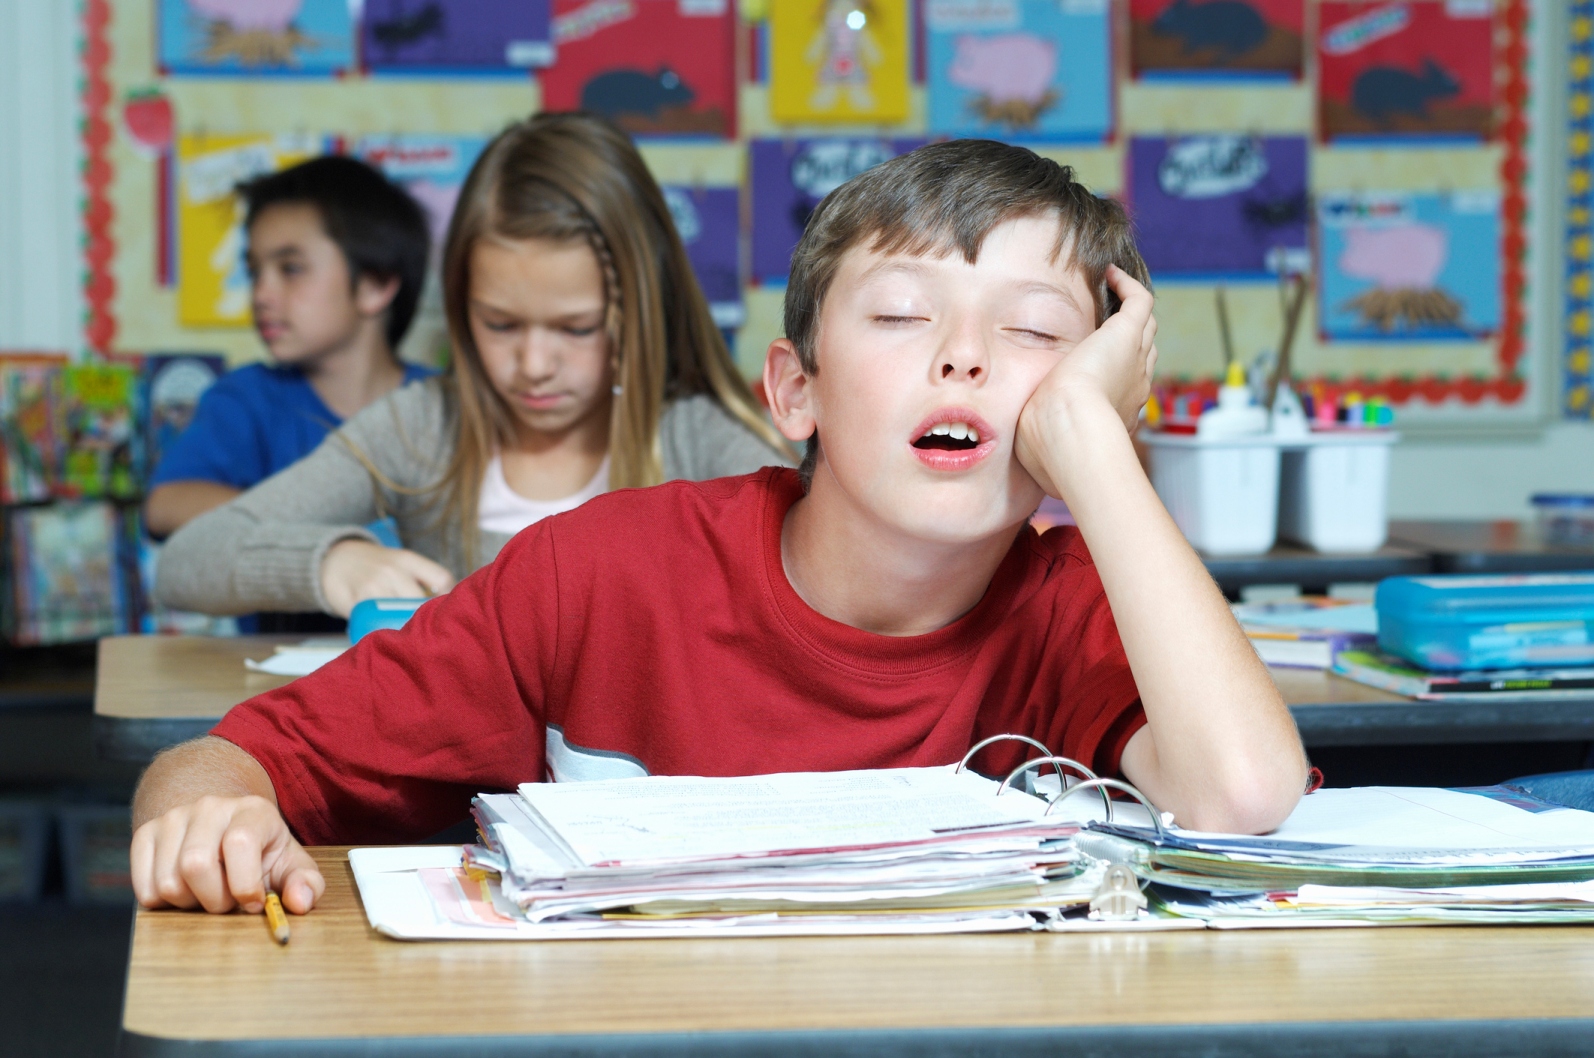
262, 16
1403, 262
1010, 72
1402, 257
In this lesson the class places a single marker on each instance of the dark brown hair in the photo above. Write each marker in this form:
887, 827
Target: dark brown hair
945, 198
378, 226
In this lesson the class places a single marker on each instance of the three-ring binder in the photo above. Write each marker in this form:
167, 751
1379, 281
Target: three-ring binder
1091, 780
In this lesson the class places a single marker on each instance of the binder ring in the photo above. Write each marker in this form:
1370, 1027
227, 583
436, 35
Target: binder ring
1057, 763
1045, 750
1103, 785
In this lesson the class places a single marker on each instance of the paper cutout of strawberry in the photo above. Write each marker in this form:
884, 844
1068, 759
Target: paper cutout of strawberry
147, 115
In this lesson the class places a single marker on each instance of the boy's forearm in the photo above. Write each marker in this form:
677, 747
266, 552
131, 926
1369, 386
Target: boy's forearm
1223, 752
176, 503
205, 767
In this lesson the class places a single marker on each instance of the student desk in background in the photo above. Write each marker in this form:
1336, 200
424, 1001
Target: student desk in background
151, 692
1414, 549
203, 985
156, 691
1490, 547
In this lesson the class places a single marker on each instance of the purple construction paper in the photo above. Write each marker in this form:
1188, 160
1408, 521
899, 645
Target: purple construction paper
480, 35
1219, 205
790, 177
709, 222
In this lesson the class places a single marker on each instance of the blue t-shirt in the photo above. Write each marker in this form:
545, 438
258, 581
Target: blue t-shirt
251, 423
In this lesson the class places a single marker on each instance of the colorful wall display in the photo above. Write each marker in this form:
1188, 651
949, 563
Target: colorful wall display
213, 278
709, 221
1221, 206
1577, 369
1233, 87
1409, 266
455, 36
431, 168
1020, 69
839, 60
1217, 38
255, 37
1415, 68
790, 177
654, 67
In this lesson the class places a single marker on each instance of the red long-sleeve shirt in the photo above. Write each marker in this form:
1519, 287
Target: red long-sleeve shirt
654, 631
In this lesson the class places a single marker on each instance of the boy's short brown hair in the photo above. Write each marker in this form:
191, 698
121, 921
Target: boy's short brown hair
947, 197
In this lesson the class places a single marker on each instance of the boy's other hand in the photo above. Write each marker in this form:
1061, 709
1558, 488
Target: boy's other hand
1113, 366
355, 570
221, 853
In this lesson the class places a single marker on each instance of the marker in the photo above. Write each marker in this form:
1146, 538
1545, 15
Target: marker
276, 919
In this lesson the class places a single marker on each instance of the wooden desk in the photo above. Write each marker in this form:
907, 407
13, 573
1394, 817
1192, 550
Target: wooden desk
151, 692
156, 691
200, 985
1489, 547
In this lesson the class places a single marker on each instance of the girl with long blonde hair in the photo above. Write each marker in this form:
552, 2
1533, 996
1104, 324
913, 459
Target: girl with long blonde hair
584, 359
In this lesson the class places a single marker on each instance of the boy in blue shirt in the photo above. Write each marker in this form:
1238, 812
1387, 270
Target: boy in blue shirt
337, 257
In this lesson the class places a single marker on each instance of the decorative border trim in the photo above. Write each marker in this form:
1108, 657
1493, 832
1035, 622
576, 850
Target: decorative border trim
99, 244
1507, 386
1577, 400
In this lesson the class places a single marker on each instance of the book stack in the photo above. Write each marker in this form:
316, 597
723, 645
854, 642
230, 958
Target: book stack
88, 434
1480, 685
1307, 632
1372, 856
917, 850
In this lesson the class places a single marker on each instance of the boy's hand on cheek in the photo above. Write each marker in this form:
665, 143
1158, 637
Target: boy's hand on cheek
1109, 371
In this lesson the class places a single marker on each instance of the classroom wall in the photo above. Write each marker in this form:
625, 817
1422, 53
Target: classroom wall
1489, 478
39, 240
40, 274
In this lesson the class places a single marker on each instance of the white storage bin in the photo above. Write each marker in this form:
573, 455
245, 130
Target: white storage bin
1223, 493
1334, 493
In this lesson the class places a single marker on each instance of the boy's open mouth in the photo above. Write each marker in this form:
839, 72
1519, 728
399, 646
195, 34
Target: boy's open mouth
949, 437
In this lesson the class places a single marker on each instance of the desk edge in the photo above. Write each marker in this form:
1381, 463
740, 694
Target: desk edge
1447, 1038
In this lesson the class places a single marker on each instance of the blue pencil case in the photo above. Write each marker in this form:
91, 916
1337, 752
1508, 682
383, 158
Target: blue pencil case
1488, 622
373, 614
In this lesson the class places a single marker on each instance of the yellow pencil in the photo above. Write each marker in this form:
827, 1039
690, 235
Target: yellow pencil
276, 918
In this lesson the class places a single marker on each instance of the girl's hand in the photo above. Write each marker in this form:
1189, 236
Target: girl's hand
355, 570
1113, 366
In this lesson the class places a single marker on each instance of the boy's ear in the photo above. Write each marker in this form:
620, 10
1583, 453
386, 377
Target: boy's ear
786, 388
372, 296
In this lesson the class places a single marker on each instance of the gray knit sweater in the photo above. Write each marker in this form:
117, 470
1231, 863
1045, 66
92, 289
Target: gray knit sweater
263, 550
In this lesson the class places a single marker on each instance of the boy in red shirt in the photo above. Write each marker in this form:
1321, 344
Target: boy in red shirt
965, 329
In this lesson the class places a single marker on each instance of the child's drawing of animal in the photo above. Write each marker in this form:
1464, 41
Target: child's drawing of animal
1229, 27
1012, 72
405, 29
1405, 256
1381, 92
618, 94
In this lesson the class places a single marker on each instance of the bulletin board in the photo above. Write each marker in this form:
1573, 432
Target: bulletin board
1577, 385
1384, 147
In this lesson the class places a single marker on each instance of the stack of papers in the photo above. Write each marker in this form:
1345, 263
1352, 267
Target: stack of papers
300, 659
1376, 855
920, 850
